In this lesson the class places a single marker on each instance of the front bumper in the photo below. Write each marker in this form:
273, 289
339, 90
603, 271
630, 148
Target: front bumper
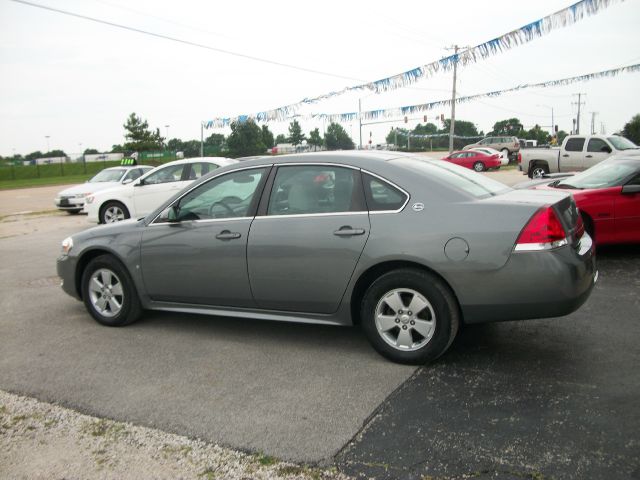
536, 285
66, 268
69, 203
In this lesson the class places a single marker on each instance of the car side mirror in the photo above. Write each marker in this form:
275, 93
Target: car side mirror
127, 181
173, 213
139, 183
605, 149
630, 189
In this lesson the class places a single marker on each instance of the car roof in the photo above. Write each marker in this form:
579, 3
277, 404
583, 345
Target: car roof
220, 161
127, 167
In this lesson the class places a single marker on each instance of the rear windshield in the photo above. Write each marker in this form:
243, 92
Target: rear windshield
457, 177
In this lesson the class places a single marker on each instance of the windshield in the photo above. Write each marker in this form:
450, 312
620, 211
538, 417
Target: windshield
622, 143
461, 178
603, 175
111, 175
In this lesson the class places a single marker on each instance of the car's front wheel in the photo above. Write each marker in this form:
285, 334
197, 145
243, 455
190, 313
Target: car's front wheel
410, 316
112, 212
108, 292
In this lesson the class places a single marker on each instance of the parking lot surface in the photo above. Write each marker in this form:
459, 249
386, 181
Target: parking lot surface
553, 398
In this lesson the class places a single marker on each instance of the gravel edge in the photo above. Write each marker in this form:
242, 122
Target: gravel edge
42, 440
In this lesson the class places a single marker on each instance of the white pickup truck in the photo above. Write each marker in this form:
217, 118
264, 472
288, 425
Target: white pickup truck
577, 153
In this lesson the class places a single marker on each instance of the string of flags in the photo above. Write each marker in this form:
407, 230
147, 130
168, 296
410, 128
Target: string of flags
560, 19
397, 112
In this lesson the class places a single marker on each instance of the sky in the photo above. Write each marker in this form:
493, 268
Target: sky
76, 81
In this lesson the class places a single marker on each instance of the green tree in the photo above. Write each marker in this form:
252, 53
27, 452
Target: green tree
631, 129
561, 136
462, 128
34, 155
337, 138
139, 137
245, 139
511, 126
267, 137
315, 139
538, 134
280, 139
295, 133
118, 149
90, 151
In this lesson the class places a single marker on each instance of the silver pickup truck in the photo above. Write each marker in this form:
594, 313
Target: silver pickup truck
577, 153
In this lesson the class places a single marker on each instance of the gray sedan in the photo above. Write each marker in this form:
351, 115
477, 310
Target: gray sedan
407, 247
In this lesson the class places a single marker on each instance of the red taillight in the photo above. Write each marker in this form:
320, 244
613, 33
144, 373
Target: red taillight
544, 231
519, 157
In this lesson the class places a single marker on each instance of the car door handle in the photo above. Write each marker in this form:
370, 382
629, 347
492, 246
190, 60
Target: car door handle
348, 231
227, 235
589, 156
565, 155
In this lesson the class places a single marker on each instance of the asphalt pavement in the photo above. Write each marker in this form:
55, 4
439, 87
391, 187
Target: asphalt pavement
540, 399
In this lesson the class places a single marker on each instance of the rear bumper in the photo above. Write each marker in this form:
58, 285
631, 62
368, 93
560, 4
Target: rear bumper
537, 285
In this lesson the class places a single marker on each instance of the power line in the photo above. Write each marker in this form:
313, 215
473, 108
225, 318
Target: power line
186, 42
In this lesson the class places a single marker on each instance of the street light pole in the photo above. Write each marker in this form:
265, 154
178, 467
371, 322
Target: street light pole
167, 127
360, 120
453, 98
47, 137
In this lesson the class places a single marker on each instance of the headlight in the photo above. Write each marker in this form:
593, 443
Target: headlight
81, 195
89, 199
67, 245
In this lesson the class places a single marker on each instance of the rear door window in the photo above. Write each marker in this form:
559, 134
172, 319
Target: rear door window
574, 145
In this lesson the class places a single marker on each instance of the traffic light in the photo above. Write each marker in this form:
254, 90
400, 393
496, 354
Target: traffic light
406, 119
442, 117
556, 128
425, 119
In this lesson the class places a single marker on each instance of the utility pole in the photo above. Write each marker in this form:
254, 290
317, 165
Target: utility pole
453, 96
579, 103
360, 120
593, 122
202, 139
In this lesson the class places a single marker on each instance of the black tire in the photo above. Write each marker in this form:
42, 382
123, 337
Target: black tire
479, 167
444, 313
110, 273
537, 169
108, 212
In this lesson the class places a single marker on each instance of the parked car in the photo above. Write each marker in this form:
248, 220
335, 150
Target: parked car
608, 196
142, 196
577, 153
72, 199
504, 158
475, 160
409, 248
506, 144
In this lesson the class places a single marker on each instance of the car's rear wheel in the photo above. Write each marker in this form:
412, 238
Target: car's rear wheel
112, 212
108, 292
410, 316
538, 171
478, 167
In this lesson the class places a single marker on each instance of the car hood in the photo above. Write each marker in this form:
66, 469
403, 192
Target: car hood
88, 188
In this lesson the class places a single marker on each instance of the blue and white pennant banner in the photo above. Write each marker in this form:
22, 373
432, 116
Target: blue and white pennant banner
560, 19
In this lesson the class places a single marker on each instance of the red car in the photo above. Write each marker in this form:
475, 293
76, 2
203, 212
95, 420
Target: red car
475, 160
608, 196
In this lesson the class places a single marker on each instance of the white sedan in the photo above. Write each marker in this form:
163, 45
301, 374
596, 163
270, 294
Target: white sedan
504, 158
142, 196
72, 199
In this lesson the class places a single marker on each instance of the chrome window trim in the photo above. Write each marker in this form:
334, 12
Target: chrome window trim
206, 220
377, 212
303, 215
203, 183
